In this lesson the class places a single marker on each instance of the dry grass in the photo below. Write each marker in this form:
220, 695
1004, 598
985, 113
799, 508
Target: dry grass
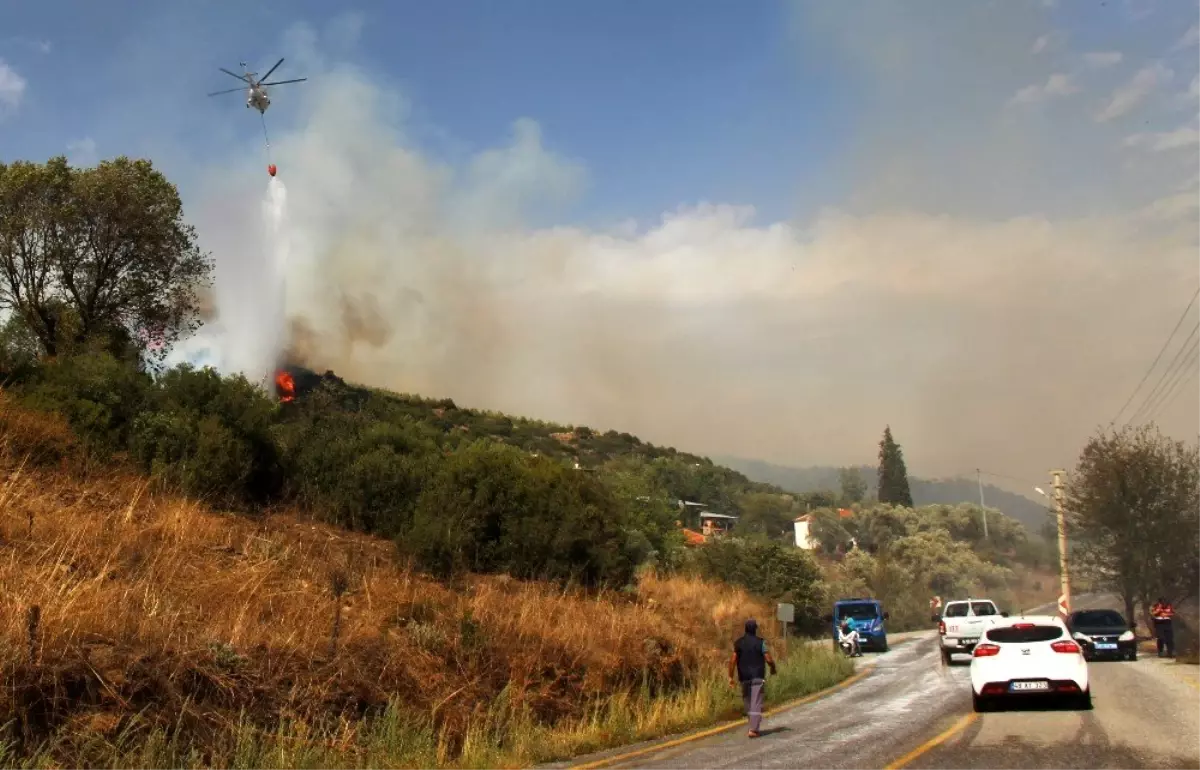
143, 629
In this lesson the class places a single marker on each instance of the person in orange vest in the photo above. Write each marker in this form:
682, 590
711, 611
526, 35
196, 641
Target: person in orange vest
1163, 615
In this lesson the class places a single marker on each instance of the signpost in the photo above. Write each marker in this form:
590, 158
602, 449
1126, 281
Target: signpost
786, 613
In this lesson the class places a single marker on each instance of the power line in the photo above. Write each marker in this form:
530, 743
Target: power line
1165, 380
1146, 376
1182, 377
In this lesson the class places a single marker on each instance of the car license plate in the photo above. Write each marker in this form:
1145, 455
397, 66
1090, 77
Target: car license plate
1105, 646
1028, 686
965, 642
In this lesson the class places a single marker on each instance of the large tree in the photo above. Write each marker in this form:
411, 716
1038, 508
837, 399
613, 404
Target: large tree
854, 486
893, 476
1133, 511
98, 254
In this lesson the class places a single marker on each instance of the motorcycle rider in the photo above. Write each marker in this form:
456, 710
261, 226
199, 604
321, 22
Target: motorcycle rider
847, 634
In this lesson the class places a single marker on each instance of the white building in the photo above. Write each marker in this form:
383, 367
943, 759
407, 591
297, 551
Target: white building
804, 538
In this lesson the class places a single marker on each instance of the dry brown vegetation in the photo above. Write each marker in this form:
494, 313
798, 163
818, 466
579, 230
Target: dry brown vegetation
123, 609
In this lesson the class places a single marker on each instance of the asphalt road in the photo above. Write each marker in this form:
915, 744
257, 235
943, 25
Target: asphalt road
1146, 714
867, 724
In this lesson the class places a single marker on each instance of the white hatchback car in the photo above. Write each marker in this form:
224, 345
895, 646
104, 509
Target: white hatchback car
1029, 656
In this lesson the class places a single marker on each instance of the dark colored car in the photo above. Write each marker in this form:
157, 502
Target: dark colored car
1103, 634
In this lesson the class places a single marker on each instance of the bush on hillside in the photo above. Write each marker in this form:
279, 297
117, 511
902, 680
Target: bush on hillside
769, 569
492, 508
208, 436
98, 395
355, 472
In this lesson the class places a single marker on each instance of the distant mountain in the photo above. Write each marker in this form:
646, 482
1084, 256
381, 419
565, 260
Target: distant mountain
924, 491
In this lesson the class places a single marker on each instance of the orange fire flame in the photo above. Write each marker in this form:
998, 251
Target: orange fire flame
286, 386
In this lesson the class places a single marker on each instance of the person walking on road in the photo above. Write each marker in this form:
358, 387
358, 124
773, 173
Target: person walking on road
1163, 615
749, 662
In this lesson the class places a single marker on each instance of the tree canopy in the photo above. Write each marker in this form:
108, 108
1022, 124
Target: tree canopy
854, 486
98, 255
893, 476
1133, 511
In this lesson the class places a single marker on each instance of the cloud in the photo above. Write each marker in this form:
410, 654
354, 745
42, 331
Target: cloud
1125, 98
1178, 139
1058, 84
1190, 38
1100, 59
82, 152
1040, 44
965, 291
1194, 89
12, 89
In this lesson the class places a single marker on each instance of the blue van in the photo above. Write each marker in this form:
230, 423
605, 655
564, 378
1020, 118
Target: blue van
869, 620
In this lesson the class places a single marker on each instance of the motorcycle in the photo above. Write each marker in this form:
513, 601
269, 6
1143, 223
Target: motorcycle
850, 647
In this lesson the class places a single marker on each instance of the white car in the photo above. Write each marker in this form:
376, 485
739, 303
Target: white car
1024, 657
962, 622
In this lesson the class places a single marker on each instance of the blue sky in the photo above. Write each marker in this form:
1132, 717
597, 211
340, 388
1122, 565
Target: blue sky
756, 228
653, 95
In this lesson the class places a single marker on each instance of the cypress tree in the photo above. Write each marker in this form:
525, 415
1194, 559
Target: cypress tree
893, 476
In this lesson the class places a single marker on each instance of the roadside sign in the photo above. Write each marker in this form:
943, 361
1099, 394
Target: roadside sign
1063, 609
786, 613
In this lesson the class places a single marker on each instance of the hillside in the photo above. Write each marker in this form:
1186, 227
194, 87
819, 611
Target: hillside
924, 491
280, 569
145, 629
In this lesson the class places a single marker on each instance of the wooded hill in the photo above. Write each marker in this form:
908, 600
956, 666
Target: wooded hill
1030, 513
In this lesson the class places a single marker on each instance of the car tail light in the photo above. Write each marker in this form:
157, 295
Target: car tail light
994, 688
942, 627
1065, 645
985, 650
1023, 626
1067, 687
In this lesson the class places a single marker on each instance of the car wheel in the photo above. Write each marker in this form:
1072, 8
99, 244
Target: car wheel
981, 705
946, 656
883, 645
1084, 702
1133, 655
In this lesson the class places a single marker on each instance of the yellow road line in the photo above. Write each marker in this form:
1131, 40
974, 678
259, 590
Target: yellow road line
858, 675
933, 742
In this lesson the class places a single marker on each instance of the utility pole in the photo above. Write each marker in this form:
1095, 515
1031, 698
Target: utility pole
979, 479
1064, 601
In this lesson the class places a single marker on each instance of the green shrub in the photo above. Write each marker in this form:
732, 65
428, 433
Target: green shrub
357, 473
769, 569
97, 394
493, 508
208, 436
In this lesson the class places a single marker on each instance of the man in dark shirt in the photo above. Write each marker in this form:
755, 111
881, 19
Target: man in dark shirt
749, 662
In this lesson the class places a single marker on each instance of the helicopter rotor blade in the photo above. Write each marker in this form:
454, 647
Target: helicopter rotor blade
218, 93
264, 77
233, 74
283, 82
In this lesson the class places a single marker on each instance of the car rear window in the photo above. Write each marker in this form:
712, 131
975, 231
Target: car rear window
1099, 618
983, 608
1020, 634
956, 610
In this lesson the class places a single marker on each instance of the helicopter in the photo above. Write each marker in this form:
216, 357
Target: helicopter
256, 96
256, 91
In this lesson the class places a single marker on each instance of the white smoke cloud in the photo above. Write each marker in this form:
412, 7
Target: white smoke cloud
996, 340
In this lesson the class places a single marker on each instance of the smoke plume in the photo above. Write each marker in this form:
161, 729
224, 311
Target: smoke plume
993, 290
